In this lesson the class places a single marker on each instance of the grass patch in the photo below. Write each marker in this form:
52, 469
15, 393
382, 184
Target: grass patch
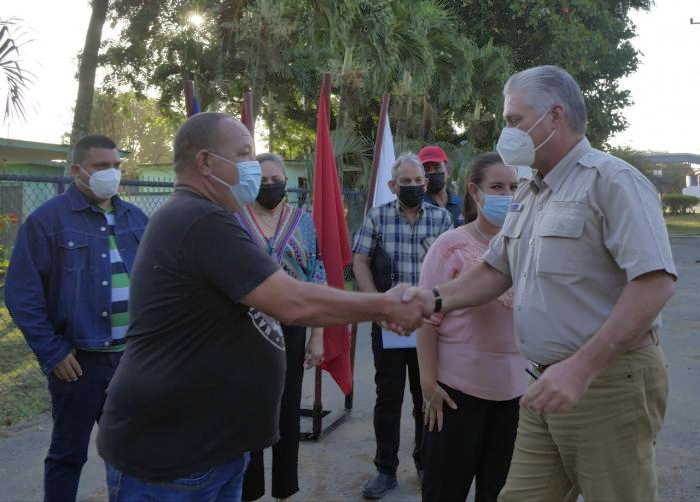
687, 224
23, 392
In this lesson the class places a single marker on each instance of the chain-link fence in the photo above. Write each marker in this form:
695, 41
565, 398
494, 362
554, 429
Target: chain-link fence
21, 195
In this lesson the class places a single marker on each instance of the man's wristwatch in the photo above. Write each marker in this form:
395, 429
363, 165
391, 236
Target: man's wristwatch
438, 301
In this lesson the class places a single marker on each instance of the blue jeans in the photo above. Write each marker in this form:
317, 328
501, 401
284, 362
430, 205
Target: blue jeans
76, 407
219, 484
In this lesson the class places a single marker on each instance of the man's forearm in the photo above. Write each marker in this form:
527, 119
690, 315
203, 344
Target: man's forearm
633, 314
474, 286
363, 276
326, 306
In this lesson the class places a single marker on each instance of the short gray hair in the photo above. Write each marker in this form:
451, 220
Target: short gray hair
546, 86
272, 157
409, 158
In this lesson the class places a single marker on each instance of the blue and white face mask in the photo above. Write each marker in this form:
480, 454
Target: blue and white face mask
249, 178
495, 208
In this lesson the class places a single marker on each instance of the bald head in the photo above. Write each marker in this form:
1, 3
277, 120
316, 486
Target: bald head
209, 131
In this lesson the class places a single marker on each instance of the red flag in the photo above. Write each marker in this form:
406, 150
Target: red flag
332, 234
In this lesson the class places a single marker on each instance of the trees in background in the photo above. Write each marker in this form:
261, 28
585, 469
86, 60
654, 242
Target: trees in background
136, 125
14, 78
443, 61
87, 70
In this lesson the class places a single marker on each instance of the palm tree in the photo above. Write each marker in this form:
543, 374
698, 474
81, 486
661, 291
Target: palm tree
87, 70
16, 78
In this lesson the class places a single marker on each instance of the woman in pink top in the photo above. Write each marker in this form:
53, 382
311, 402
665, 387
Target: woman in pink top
472, 373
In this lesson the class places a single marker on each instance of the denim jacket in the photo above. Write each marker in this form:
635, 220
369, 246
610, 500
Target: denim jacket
58, 285
454, 206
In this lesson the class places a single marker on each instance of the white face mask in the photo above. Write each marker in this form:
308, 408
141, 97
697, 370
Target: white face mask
516, 147
105, 182
249, 177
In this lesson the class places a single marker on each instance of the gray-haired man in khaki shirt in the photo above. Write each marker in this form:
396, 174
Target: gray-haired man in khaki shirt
586, 250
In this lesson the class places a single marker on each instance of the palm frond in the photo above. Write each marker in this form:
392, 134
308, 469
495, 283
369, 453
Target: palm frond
16, 78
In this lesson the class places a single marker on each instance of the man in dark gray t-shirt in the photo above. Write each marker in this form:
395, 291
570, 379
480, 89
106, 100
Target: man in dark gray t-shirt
202, 375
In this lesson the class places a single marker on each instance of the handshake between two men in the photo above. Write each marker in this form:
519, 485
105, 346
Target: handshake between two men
411, 307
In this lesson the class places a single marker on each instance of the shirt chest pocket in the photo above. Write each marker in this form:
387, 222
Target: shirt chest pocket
74, 250
560, 243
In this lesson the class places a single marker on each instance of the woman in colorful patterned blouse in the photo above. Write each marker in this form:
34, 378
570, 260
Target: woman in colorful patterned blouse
472, 373
286, 233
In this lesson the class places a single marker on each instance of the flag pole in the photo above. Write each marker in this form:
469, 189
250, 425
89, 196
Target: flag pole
383, 113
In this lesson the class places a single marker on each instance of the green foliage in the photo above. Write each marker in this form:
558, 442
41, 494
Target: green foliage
23, 392
443, 61
137, 125
589, 38
15, 78
679, 204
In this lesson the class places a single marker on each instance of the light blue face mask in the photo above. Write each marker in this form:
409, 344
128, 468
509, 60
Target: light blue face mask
495, 208
249, 177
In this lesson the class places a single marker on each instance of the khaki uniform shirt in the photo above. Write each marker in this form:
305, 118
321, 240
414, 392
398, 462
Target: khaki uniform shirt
571, 242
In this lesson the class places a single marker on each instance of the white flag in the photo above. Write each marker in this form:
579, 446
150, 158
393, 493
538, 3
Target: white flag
382, 194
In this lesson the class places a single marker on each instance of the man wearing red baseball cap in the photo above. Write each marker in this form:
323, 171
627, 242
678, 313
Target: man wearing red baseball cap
435, 162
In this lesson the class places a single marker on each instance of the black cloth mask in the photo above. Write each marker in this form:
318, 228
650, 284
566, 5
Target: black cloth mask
271, 194
436, 182
411, 195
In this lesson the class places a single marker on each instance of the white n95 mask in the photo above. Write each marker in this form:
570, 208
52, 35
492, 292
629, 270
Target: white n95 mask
516, 147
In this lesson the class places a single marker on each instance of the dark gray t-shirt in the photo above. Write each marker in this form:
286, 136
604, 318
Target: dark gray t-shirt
202, 376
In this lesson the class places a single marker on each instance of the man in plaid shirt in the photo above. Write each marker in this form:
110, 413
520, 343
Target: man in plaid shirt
405, 228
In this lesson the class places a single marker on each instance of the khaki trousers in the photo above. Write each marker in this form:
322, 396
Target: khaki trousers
604, 447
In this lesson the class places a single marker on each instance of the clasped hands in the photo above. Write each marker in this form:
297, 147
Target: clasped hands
408, 307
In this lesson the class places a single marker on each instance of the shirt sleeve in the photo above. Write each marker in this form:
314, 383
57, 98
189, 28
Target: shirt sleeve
634, 230
221, 252
366, 238
497, 256
25, 294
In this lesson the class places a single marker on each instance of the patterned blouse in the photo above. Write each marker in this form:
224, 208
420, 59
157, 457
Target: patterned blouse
293, 245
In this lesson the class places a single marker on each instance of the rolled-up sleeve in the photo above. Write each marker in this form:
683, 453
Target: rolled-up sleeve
365, 240
634, 230
497, 256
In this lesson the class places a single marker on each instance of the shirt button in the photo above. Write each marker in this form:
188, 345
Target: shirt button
532, 242
106, 344
105, 283
104, 255
103, 229
71, 244
105, 314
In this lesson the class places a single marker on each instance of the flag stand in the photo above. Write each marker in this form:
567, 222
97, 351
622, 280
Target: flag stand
317, 413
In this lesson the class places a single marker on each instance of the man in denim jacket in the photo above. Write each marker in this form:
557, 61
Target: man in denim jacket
67, 289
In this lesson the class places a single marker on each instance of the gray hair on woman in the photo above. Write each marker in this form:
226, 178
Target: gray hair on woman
546, 86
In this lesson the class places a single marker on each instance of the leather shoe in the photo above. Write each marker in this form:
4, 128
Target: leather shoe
379, 486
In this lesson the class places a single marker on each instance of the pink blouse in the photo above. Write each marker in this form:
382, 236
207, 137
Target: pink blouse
477, 350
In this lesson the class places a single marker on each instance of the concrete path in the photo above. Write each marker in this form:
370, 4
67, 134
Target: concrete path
335, 468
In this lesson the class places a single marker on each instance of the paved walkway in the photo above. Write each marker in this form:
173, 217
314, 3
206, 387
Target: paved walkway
335, 468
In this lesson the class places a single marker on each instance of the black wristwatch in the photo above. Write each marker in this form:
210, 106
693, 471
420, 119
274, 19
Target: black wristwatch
438, 301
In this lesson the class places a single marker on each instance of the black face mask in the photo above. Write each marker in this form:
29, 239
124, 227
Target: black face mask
270, 195
436, 182
411, 195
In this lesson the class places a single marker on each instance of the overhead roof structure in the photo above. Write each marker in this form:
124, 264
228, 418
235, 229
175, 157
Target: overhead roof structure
670, 158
